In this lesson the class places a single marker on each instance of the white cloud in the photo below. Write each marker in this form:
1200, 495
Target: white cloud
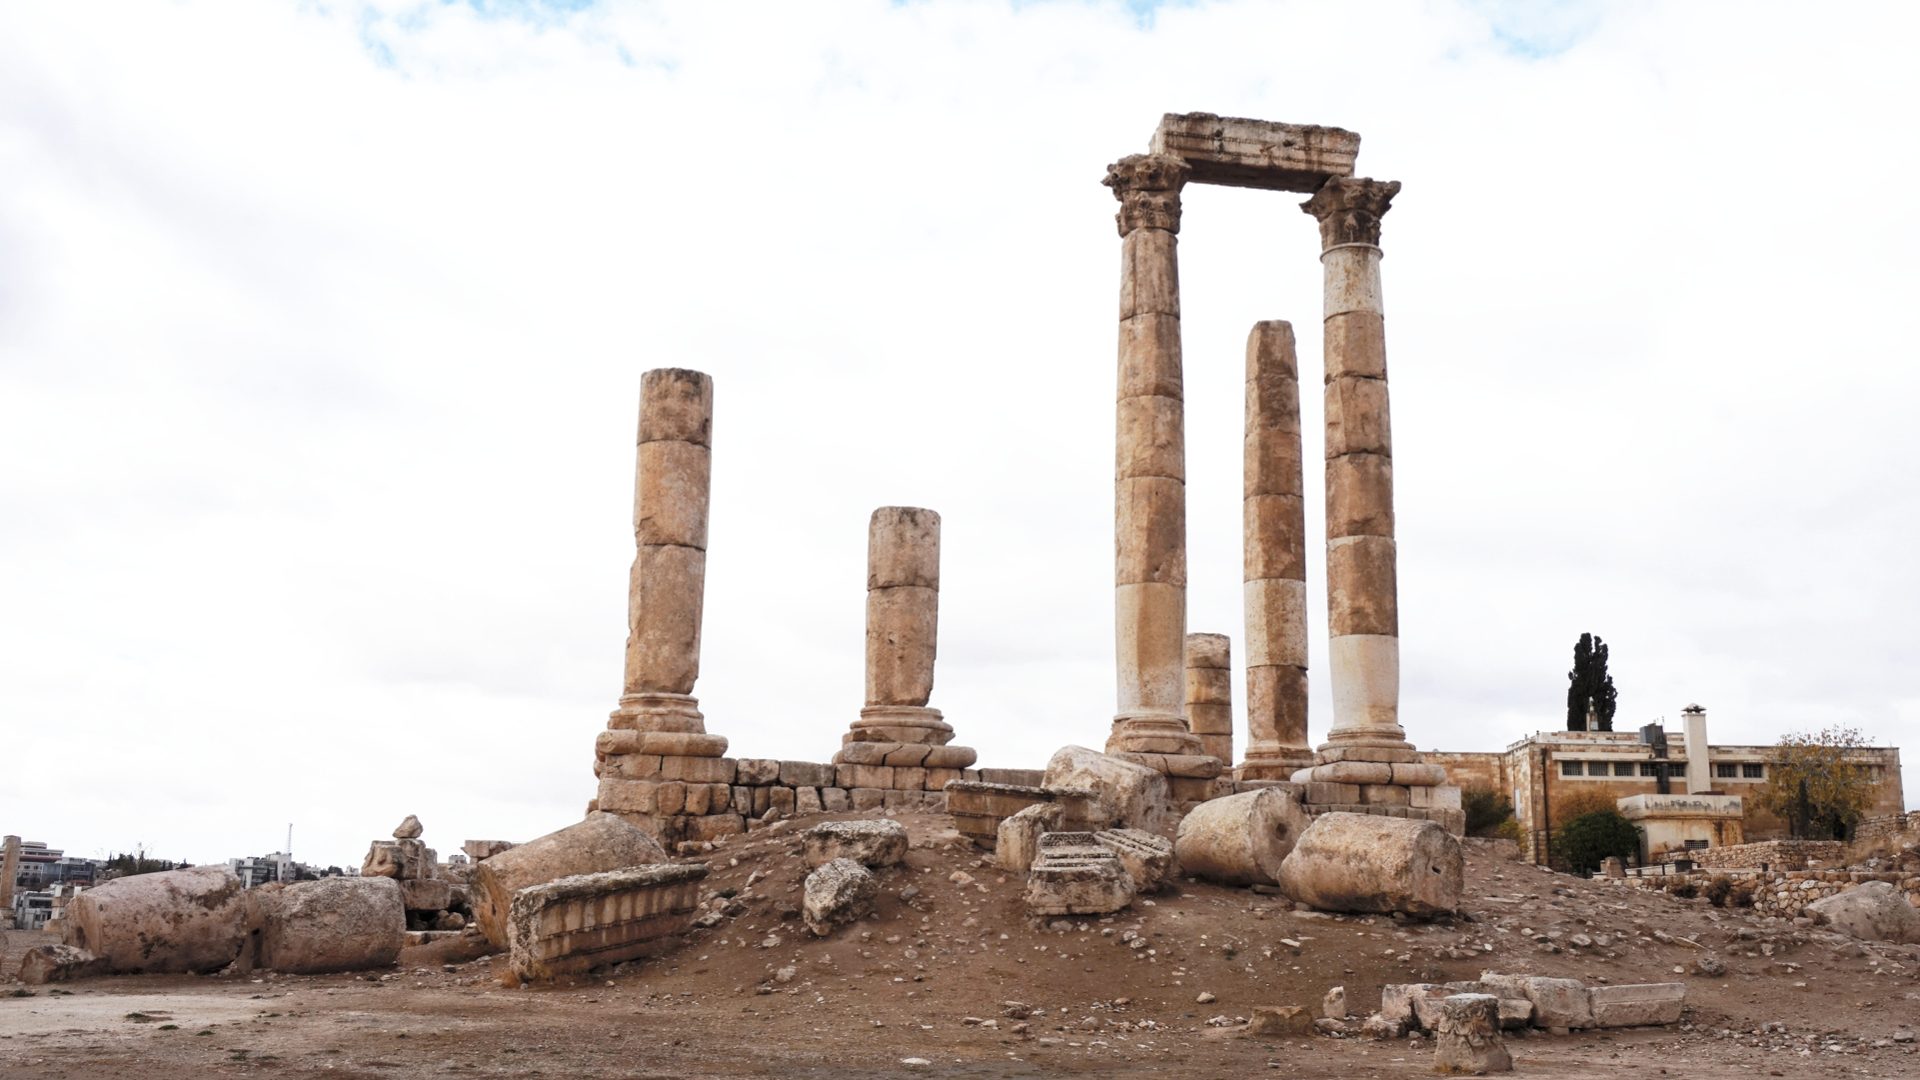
320, 328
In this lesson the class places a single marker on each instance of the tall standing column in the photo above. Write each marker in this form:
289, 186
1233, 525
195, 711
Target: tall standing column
1210, 693
903, 617
9, 870
1275, 559
1362, 606
1150, 520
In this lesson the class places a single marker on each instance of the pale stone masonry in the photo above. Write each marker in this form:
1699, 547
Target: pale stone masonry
578, 923
896, 726
1275, 559
1210, 693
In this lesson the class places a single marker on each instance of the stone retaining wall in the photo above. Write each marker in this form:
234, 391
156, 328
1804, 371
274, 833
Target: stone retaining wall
1784, 894
1771, 854
1891, 825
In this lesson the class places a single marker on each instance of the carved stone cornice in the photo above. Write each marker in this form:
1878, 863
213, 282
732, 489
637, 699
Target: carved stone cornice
1148, 187
1349, 209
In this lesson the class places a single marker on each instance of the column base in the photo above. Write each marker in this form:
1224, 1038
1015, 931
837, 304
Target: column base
910, 736
1155, 733
1278, 764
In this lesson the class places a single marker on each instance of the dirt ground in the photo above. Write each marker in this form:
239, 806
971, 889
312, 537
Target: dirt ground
953, 975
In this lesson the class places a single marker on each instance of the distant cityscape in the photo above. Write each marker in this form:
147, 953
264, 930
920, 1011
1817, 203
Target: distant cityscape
47, 877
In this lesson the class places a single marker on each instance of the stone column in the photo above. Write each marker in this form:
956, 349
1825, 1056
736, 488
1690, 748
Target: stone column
1150, 523
903, 615
1210, 693
9, 870
1275, 559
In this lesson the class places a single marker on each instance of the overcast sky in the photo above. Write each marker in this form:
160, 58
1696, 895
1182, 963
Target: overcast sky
321, 328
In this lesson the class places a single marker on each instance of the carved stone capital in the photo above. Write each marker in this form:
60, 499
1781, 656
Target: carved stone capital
1349, 209
1148, 187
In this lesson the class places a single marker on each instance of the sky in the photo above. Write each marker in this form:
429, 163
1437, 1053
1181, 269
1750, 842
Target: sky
322, 325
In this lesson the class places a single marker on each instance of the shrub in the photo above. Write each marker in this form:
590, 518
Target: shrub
1486, 809
1508, 830
1584, 841
1718, 890
1742, 895
1684, 890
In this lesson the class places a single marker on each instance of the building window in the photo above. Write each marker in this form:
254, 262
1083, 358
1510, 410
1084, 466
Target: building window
1725, 770
1571, 768
1753, 771
1623, 768
1696, 845
1648, 768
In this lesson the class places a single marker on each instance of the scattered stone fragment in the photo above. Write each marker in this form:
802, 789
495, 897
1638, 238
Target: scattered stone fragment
836, 893
598, 844
1147, 858
586, 921
1709, 965
1557, 1003
1018, 841
1126, 795
44, 964
1467, 1037
410, 829
1334, 1005
1637, 1004
1378, 1026
1279, 1021
1368, 863
877, 842
1205, 997
1074, 875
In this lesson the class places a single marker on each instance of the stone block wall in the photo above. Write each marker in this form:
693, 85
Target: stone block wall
1890, 825
1783, 894
1772, 854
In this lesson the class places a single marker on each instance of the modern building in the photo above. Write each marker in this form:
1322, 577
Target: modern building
1552, 775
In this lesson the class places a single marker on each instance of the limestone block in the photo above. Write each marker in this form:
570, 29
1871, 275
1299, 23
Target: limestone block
1334, 1005
806, 774
1150, 625
1241, 839
1357, 417
408, 829
681, 744
1361, 588
697, 770
1149, 274
1262, 154
423, 894
174, 921
865, 776
1355, 772
866, 798
909, 779
670, 501
978, 807
1355, 345
1557, 1003
1415, 774
1872, 911
627, 766
1384, 795
1366, 689
1279, 1022
837, 893
1360, 495
404, 859
1515, 1013
902, 638
1148, 859
1150, 356
1208, 653
1017, 842
781, 799
1277, 705
676, 404
835, 800
1467, 1038
485, 849
1365, 863
1637, 1004
806, 800
598, 844
881, 842
43, 964
1327, 793
713, 826
698, 800
1151, 439
669, 797
1074, 875
1350, 279
1273, 536
1150, 533
1276, 611
903, 548
665, 592
333, 924
1205, 718
1130, 796
583, 921
754, 771
1412, 1005
938, 778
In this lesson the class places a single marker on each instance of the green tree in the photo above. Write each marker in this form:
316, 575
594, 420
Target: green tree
1590, 689
1486, 809
1582, 842
1815, 785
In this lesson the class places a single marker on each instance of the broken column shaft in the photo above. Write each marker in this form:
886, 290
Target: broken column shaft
1275, 559
1210, 693
903, 615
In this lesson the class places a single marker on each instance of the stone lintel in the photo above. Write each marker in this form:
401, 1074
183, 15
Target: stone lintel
1238, 152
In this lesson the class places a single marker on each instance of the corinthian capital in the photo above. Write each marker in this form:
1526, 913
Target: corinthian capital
1148, 187
1349, 209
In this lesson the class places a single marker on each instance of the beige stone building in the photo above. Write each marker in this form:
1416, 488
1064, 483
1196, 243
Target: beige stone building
1551, 775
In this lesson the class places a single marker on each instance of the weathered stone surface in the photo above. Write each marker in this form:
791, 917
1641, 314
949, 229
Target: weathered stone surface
1467, 1037
1148, 859
1872, 911
903, 625
666, 596
406, 860
584, 921
1264, 154
1417, 1005
1637, 1004
425, 894
410, 829
1368, 863
44, 964
1129, 796
1279, 1022
1018, 843
1334, 1005
879, 842
1241, 839
174, 921
601, 843
1557, 1003
756, 771
479, 850
837, 893
334, 924
1074, 875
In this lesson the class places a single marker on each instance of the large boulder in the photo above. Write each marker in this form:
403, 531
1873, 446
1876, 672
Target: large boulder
600, 843
1125, 795
879, 842
175, 921
1241, 839
837, 892
334, 924
1872, 911
1369, 863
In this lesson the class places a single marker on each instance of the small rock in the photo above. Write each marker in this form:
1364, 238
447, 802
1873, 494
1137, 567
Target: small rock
1334, 1005
1206, 998
1709, 965
960, 878
410, 829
